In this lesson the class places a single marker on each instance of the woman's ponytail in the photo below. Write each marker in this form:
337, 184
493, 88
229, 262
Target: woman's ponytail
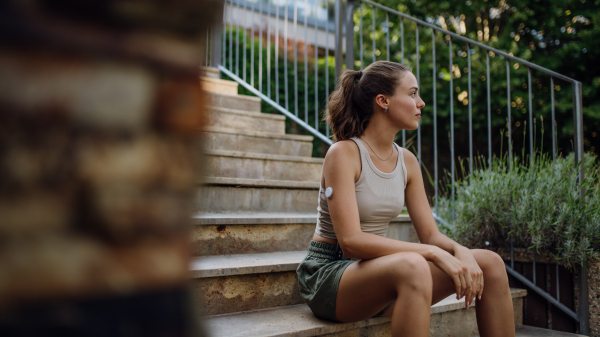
351, 104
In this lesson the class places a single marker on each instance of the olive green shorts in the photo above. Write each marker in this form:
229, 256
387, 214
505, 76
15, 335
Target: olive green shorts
319, 276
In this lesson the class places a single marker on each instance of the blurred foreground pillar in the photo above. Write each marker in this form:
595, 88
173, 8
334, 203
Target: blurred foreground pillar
99, 109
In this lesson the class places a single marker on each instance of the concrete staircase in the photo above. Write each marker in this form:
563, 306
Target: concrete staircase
256, 214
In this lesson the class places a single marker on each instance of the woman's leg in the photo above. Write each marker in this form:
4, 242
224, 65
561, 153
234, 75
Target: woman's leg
495, 315
366, 287
495, 310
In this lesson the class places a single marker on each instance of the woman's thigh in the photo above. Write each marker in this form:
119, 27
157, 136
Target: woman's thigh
367, 287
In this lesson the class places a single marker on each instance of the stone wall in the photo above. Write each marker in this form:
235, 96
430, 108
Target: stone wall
99, 109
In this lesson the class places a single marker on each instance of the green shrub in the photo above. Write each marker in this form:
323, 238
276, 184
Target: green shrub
537, 208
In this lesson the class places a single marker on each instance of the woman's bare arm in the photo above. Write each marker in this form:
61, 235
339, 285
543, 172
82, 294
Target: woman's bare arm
419, 209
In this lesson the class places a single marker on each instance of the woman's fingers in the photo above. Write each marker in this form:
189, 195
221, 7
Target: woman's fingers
470, 287
457, 284
481, 285
463, 285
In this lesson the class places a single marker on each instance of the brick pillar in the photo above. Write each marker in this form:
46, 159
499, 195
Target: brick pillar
99, 110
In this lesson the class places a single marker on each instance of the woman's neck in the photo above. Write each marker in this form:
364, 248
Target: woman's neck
379, 136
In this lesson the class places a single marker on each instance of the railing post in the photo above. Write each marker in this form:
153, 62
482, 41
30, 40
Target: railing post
584, 308
338, 40
215, 38
584, 321
350, 35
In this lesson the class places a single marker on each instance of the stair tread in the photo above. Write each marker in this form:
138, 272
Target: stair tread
207, 219
255, 114
220, 81
298, 320
243, 97
258, 134
209, 72
263, 156
241, 264
530, 331
249, 182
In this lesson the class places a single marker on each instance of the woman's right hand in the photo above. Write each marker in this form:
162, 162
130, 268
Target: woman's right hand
456, 269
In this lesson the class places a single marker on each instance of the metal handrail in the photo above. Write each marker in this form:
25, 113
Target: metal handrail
472, 42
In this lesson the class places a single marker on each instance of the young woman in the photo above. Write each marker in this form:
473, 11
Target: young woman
352, 272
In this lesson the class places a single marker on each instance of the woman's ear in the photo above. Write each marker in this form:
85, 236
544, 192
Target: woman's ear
381, 101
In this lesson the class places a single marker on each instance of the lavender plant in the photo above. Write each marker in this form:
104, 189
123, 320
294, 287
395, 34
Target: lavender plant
538, 207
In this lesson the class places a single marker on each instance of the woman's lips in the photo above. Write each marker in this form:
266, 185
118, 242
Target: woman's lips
418, 115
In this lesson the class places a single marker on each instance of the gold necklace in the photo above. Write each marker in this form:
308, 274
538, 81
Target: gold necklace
376, 153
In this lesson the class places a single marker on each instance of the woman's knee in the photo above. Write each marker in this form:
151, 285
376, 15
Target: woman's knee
491, 264
413, 271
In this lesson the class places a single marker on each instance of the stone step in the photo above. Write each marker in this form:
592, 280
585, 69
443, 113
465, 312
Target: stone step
218, 85
238, 102
237, 164
210, 72
529, 331
217, 138
232, 283
238, 195
220, 234
448, 318
246, 120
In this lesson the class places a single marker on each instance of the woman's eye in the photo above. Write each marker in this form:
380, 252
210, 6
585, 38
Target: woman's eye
413, 94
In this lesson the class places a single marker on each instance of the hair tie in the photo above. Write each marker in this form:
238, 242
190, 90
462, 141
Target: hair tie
359, 75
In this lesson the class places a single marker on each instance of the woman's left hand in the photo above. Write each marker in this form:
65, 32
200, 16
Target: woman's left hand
464, 255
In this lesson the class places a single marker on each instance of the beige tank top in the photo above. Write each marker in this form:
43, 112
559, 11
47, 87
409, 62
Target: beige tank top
379, 196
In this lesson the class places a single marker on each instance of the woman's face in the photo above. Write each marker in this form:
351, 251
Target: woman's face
404, 108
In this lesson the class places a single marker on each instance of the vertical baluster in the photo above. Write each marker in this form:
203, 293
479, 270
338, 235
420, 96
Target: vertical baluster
230, 35
285, 57
419, 83
387, 36
470, 98
534, 269
327, 66
532, 159
237, 40
402, 40
295, 58
374, 38
252, 48
489, 107
306, 61
224, 34
245, 37
360, 25
260, 44
402, 61
269, 49
557, 284
435, 159
277, 54
508, 113
553, 120
207, 43
451, 129
316, 67
512, 254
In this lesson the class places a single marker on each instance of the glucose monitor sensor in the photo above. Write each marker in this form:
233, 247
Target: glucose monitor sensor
328, 192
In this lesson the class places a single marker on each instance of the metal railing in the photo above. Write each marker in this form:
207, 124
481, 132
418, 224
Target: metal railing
274, 26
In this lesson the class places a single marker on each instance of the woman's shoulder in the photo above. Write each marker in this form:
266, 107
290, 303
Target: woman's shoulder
411, 163
343, 155
344, 149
